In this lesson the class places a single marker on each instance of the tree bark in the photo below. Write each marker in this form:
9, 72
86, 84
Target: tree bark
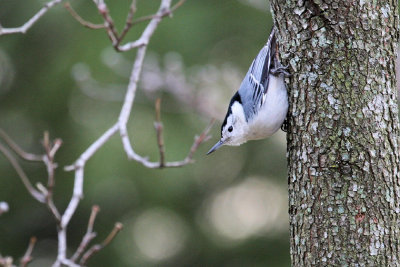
343, 153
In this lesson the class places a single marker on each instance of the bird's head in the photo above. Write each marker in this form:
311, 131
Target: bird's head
234, 128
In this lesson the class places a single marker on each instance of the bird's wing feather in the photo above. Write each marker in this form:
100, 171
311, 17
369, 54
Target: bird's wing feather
255, 84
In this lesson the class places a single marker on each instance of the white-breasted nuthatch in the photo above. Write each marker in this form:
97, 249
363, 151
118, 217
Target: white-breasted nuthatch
259, 107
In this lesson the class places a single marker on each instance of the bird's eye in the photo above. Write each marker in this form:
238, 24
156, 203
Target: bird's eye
230, 129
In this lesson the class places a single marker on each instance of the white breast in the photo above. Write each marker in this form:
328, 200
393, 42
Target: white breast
273, 111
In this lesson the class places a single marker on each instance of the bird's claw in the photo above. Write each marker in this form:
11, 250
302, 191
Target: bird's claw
284, 126
281, 70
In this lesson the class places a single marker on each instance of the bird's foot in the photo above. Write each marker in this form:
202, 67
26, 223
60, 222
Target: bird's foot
284, 126
281, 70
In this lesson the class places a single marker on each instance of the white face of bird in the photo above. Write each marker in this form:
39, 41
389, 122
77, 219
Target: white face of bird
233, 129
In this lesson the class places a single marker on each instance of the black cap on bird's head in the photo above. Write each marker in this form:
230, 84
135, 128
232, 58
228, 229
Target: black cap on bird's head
222, 141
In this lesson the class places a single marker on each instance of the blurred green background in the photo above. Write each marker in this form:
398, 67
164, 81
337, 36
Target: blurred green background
227, 209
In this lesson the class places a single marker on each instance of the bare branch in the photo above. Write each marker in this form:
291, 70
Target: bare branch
128, 23
48, 160
52, 207
154, 165
131, 91
89, 152
160, 141
164, 14
77, 195
129, 98
19, 151
112, 32
25, 180
96, 248
128, 102
88, 236
108, 21
127, 107
27, 257
117, 228
45, 194
83, 22
177, 5
24, 28
198, 140
57, 144
151, 27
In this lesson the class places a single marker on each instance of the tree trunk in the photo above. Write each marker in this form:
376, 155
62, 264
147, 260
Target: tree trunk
343, 153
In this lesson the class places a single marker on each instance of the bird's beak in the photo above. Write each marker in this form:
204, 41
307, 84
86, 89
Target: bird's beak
215, 147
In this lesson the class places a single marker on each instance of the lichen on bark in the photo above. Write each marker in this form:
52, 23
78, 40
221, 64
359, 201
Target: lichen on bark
343, 152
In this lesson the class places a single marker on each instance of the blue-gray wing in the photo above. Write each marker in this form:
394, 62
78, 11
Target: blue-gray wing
255, 84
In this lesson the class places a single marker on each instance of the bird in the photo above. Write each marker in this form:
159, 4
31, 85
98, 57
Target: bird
259, 108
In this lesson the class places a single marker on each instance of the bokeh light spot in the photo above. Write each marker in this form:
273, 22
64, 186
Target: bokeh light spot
159, 234
255, 206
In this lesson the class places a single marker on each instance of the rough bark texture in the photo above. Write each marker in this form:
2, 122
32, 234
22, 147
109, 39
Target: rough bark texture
343, 153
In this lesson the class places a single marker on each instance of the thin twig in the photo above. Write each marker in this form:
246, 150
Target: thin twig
173, 164
108, 21
79, 167
127, 107
18, 150
52, 207
117, 228
128, 23
56, 145
198, 140
163, 11
132, 87
24, 28
164, 14
28, 254
77, 194
96, 248
48, 160
51, 150
83, 22
89, 152
177, 5
159, 129
24, 178
44, 193
89, 235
